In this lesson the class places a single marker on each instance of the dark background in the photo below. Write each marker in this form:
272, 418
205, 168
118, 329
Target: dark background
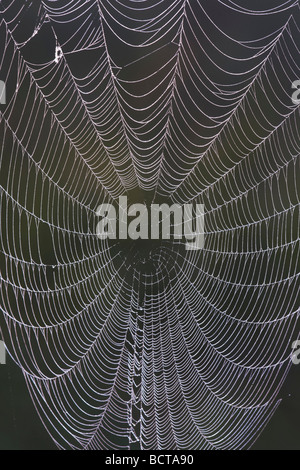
21, 428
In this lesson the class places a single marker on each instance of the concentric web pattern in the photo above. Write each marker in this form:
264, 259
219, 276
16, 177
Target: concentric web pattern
150, 346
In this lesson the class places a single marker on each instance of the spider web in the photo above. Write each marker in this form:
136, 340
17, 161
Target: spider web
165, 101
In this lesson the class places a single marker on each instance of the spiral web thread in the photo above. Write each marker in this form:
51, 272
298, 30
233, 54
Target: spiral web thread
188, 101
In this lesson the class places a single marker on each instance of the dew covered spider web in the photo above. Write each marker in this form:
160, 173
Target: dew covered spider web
182, 101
